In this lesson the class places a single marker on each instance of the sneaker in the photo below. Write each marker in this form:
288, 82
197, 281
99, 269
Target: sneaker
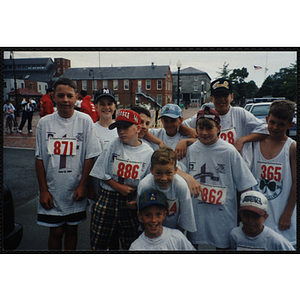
30, 131
20, 131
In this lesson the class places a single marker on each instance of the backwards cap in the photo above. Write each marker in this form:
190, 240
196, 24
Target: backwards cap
208, 113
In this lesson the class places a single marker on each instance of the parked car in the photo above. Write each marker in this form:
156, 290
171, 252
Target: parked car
259, 110
13, 232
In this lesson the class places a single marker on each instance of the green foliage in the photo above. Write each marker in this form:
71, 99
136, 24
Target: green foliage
280, 84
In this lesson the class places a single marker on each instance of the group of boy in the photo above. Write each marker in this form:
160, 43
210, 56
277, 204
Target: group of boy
172, 188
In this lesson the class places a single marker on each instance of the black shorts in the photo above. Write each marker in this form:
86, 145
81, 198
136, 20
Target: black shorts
55, 221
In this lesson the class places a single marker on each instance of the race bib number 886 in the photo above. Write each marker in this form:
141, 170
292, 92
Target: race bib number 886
127, 169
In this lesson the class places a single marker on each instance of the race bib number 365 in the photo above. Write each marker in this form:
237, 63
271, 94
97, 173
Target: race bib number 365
213, 194
127, 169
62, 146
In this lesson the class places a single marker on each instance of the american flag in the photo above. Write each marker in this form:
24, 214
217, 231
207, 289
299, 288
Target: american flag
257, 67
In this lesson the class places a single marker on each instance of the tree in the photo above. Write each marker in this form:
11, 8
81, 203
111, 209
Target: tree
281, 84
224, 71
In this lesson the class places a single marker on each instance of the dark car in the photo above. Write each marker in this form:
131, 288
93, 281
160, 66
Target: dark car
12, 231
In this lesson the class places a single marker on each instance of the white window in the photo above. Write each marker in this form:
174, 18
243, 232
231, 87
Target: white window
84, 84
148, 84
126, 84
116, 85
159, 84
159, 99
105, 84
196, 78
195, 88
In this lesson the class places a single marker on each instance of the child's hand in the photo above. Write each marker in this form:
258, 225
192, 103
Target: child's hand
80, 193
46, 200
180, 150
125, 190
194, 187
132, 204
284, 222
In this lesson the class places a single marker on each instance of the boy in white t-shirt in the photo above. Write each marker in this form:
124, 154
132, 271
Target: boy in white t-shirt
105, 104
66, 146
222, 173
120, 167
238, 126
163, 178
253, 235
171, 118
152, 209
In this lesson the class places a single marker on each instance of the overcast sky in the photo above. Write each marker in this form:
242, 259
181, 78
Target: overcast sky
209, 62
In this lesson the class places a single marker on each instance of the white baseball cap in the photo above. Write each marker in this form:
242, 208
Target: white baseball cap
254, 201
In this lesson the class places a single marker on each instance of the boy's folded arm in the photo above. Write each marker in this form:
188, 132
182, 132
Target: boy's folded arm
252, 137
185, 130
150, 137
193, 184
121, 188
180, 150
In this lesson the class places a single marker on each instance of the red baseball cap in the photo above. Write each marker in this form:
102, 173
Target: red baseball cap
126, 117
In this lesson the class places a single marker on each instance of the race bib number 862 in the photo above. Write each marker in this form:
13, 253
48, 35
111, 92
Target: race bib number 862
213, 194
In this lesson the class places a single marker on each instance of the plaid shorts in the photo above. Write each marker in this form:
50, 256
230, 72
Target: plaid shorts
111, 213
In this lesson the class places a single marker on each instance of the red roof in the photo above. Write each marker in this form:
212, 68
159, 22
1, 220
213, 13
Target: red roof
25, 92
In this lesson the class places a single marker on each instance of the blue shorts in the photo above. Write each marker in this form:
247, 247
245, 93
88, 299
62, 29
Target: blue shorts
56, 221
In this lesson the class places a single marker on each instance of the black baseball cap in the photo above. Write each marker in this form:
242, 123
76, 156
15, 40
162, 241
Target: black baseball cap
104, 93
220, 85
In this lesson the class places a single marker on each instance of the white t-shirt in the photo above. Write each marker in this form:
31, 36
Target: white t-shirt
274, 180
121, 160
76, 138
180, 208
9, 109
267, 240
105, 135
235, 124
170, 141
221, 171
170, 239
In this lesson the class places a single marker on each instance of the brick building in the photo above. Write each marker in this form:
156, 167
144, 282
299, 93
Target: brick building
140, 84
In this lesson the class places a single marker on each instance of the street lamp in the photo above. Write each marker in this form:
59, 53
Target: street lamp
202, 94
178, 65
92, 71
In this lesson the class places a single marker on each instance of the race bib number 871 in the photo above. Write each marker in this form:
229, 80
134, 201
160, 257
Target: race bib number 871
213, 194
62, 146
127, 169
